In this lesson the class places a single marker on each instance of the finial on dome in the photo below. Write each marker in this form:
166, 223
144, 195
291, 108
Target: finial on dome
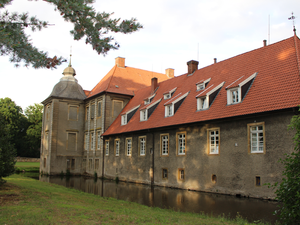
69, 70
70, 65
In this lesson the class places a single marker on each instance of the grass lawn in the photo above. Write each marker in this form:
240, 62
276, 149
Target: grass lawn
24, 200
28, 166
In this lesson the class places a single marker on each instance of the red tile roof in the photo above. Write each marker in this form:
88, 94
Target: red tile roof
125, 80
276, 86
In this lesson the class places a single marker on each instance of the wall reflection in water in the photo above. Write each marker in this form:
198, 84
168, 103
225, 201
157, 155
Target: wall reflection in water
182, 200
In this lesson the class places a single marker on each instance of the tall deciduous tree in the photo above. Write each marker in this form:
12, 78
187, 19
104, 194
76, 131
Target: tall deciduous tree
95, 27
288, 191
34, 114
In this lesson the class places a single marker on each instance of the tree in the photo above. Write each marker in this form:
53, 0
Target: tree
288, 191
34, 116
95, 27
7, 151
15, 123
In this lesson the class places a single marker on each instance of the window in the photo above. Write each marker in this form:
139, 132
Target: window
68, 164
97, 164
128, 146
107, 147
143, 115
181, 143
149, 99
256, 137
99, 105
257, 181
202, 103
117, 147
47, 112
169, 94
73, 112
87, 111
73, 164
84, 163
181, 175
173, 105
206, 98
117, 107
86, 140
165, 173
202, 84
125, 118
238, 89
71, 144
92, 140
213, 141
164, 140
142, 145
93, 111
98, 140
214, 178
46, 140
146, 111
90, 164
44, 162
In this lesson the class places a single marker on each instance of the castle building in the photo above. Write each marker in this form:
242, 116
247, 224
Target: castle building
221, 128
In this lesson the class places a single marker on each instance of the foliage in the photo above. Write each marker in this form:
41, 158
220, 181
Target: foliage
34, 116
95, 27
7, 151
288, 191
15, 123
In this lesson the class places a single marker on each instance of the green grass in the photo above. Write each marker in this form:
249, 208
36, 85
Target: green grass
27, 166
27, 201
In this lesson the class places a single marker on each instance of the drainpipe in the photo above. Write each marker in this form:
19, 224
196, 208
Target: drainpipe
152, 178
103, 129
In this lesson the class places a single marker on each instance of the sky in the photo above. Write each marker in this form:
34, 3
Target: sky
175, 32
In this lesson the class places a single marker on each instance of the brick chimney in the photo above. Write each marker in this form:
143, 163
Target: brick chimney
215, 60
170, 73
120, 62
265, 43
192, 66
153, 84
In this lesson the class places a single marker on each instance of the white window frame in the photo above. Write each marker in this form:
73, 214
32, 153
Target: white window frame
143, 115
164, 144
213, 141
142, 145
238, 88
169, 94
201, 85
128, 146
257, 134
169, 107
149, 99
124, 115
98, 140
181, 143
92, 140
202, 103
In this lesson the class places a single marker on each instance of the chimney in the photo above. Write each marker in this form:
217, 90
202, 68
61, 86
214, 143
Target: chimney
153, 84
120, 62
265, 43
215, 60
170, 73
192, 66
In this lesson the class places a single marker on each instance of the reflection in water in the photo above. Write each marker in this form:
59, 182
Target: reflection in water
179, 200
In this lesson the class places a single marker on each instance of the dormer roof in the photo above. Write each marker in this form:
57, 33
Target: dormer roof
276, 86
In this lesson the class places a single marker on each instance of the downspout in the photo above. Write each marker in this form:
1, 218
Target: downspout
152, 178
103, 129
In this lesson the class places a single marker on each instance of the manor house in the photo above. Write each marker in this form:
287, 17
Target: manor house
221, 128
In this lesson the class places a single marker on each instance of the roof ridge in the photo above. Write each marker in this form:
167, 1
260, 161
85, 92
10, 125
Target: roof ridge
297, 52
108, 84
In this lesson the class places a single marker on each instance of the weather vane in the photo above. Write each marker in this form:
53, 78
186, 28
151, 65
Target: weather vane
293, 18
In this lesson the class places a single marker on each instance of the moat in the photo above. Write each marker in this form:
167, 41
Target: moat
176, 199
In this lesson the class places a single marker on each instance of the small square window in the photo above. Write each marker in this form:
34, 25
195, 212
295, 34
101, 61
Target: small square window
214, 178
200, 86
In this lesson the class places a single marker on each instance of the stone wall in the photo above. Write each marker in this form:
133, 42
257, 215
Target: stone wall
24, 159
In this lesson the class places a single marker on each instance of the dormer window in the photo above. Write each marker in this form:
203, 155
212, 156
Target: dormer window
172, 105
206, 97
125, 117
201, 85
148, 100
237, 90
168, 94
202, 103
146, 111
